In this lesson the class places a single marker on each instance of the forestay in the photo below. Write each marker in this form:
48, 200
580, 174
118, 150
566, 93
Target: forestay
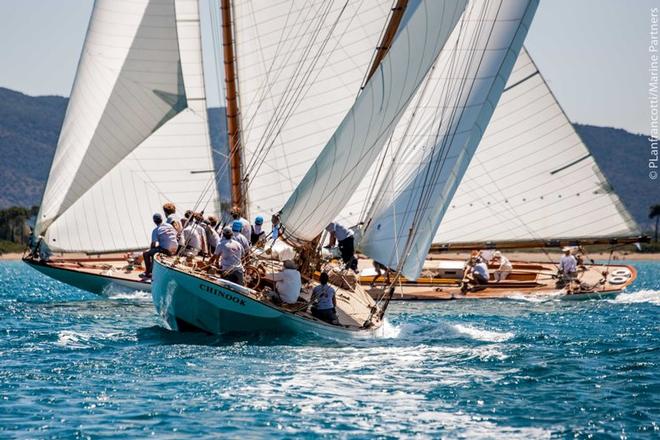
135, 133
444, 130
532, 177
358, 140
300, 67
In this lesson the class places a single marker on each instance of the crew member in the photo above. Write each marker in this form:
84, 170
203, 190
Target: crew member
236, 228
256, 232
194, 235
230, 254
245, 225
568, 265
504, 266
212, 236
287, 283
345, 242
324, 301
163, 241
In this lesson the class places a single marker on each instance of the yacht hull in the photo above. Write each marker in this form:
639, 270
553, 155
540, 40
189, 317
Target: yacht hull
94, 282
217, 306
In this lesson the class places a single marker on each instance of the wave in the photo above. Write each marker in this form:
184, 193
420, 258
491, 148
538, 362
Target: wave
641, 296
483, 335
136, 294
537, 298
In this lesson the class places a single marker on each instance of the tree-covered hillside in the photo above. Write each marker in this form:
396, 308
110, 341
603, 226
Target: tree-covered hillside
29, 127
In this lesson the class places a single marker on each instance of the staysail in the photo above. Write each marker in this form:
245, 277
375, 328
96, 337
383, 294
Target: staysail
300, 65
135, 133
449, 120
532, 177
358, 140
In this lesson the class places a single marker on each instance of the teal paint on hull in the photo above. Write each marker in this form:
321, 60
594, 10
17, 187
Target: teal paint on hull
98, 284
220, 307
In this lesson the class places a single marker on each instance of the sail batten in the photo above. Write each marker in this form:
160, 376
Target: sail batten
532, 176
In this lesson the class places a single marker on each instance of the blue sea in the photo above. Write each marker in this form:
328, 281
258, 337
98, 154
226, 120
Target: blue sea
75, 365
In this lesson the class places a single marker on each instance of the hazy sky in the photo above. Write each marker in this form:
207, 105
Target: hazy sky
593, 53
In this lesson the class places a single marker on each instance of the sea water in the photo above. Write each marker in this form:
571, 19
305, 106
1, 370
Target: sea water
75, 365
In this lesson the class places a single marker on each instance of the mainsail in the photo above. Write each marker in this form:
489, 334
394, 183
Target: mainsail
358, 140
300, 65
449, 119
532, 177
135, 133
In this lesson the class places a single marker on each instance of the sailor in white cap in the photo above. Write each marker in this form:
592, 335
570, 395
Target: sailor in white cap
504, 266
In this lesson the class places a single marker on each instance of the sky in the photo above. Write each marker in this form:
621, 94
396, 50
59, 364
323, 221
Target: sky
593, 53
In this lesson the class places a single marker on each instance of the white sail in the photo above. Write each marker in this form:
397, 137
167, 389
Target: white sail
300, 65
444, 130
532, 177
358, 140
135, 134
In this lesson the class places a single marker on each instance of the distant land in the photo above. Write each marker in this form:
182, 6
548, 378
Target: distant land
29, 128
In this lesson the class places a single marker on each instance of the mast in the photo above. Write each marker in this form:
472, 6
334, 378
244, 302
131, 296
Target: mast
388, 36
233, 123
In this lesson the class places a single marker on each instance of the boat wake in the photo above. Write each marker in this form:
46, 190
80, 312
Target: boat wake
537, 298
483, 335
641, 296
134, 295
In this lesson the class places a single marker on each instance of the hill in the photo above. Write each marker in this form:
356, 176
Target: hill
29, 128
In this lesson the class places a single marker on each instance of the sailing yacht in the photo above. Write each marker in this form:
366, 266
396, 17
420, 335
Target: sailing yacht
311, 109
135, 136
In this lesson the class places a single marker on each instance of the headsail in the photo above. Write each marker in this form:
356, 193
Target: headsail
300, 66
449, 120
135, 134
358, 140
532, 177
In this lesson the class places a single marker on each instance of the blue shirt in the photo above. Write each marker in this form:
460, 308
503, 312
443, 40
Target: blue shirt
324, 295
481, 269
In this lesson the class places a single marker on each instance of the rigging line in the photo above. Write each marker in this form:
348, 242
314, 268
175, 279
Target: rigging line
220, 171
300, 91
264, 89
327, 190
431, 174
293, 94
287, 97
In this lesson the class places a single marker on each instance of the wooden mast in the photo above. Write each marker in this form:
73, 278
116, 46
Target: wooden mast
232, 112
388, 36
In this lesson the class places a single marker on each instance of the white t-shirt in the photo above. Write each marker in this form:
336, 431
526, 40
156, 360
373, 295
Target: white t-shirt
505, 264
192, 236
165, 235
288, 285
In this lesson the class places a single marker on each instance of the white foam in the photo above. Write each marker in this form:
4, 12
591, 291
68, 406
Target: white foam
483, 335
68, 338
537, 298
642, 296
389, 330
136, 294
